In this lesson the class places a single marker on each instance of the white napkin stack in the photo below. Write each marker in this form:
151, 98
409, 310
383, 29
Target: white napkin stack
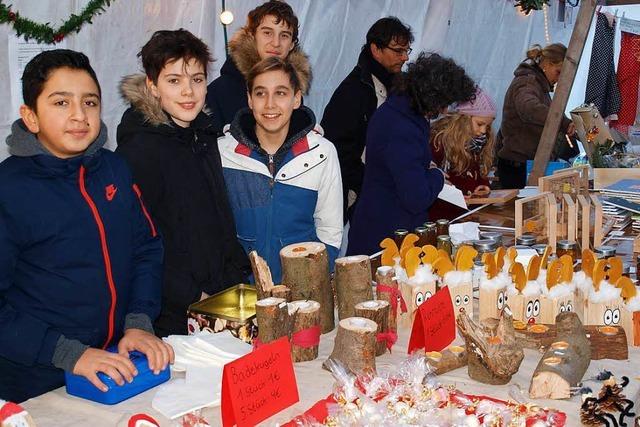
202, 356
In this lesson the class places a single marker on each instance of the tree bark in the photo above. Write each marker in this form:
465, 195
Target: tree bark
493, 354
355, 345
565, 361
261, 274
353, 283
385, 276
273, 319
378, 311
306, 315
305, 270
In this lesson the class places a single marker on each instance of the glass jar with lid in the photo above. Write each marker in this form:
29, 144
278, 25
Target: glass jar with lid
432, 233
526, 240
399, 235
442, 227
567, 247
605, 251
491, 235
444, 243
421, 232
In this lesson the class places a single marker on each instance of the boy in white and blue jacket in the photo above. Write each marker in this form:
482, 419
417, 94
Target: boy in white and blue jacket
282, 176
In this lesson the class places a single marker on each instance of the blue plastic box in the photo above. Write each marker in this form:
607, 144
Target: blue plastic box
551, 167
79, 386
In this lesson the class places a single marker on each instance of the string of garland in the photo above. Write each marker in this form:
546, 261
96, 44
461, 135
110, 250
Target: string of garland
528, 5
45, 33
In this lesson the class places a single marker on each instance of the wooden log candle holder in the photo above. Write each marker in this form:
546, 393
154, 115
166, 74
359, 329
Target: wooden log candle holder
387, 289
272, 315
264, 282
353, 283
305, 332
305, 270
378, 311
564, 363
355, 345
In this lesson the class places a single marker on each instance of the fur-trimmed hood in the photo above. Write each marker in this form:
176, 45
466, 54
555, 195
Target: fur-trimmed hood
134, 90
242, 49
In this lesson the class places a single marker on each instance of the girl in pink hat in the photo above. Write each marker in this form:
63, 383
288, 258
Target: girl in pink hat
462, 143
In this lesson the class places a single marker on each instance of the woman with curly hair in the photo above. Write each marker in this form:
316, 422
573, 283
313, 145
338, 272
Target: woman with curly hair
400, 180
462, 144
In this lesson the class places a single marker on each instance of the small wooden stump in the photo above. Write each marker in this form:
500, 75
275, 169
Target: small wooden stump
353, 283
565, 361
355, 345
378, 311
264, 282
385, 276
305, 270
273, 319
493, 354
305, 315
453, 357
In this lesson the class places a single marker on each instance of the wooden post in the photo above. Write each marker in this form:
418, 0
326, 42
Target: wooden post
272, 315
353, 283
355, 345
385, 277
378, 311
584, 207
305, 270
563, 88
305, 315
570, 215
597, 220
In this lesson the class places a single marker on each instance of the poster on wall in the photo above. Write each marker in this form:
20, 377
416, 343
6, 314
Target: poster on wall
20, 53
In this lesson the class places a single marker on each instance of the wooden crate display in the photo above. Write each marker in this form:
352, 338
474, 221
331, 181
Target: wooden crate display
583, 222
568, 225
537, 215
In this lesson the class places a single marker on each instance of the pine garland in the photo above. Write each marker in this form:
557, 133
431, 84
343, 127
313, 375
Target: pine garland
528, 5
44, 33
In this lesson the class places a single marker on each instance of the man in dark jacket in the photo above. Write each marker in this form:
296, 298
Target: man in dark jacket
347, 115
271, 30
171, 147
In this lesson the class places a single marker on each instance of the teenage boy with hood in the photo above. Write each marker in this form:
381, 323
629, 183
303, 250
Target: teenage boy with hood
283, 177
271, 30
171, 147
80, 259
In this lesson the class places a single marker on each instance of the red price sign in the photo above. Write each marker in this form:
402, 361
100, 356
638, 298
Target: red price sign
258, 385
434, 326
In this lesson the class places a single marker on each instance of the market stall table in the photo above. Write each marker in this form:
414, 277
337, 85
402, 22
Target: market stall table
58, 409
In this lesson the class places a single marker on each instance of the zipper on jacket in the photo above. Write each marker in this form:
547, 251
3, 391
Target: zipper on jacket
136, 190
272, 170
105, 253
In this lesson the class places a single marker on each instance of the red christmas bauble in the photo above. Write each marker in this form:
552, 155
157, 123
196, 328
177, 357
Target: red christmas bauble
12, 16
58, 38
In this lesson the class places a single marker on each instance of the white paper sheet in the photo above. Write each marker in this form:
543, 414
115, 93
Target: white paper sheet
452, 195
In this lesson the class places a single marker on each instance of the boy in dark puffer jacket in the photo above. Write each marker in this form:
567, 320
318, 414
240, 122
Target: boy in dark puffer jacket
80, 259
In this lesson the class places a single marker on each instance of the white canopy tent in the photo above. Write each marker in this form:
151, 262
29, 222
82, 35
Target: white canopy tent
488, 37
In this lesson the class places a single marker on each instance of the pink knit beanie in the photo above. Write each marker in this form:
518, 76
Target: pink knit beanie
482, 106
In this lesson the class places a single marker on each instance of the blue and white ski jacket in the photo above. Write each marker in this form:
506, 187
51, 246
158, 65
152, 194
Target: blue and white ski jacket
300, 201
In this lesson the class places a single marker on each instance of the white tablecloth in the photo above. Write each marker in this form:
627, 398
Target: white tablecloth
58, 409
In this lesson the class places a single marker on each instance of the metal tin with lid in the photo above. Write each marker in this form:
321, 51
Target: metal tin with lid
605, 251
526, 240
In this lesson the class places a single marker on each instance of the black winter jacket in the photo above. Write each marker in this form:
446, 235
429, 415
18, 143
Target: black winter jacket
180, 174
346, 118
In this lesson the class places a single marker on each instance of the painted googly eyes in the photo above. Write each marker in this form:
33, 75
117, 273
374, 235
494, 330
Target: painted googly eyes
562, 308
419, 299
501, 300
529, 311
536, 308
608, 317
466, 299
569, 307
427, 295
616, 316
458, 300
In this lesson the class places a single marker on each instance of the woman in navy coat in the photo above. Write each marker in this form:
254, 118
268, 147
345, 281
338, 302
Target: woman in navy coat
400, 181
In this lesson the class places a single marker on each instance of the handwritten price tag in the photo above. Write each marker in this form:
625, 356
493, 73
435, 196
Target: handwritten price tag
434, 326
258, 385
